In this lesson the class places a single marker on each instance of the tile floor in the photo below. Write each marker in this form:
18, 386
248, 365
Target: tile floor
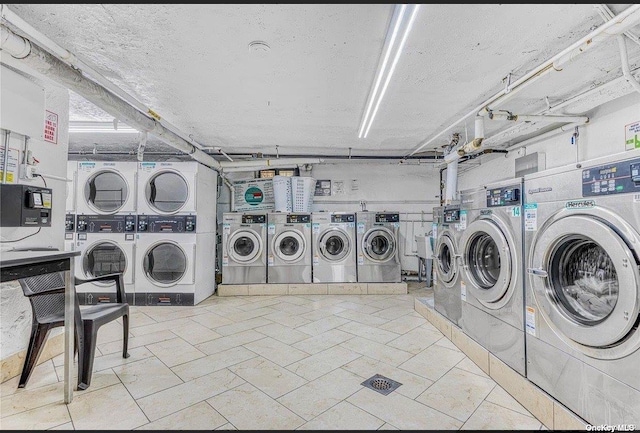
271, 362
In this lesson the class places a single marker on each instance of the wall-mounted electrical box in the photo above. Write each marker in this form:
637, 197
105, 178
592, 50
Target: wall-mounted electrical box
25, 206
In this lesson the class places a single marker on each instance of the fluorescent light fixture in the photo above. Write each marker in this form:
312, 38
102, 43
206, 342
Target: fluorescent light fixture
398, 22
90, 127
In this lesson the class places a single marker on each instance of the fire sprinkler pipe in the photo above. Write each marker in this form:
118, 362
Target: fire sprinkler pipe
536, 117
626, 71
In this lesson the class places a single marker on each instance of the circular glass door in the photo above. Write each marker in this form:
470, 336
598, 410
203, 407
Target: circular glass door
167, 192
244, 246
379, 245
446, 266
289, 246
103, 258
334, 245
106, 192
165, 263
585, 280
488, 255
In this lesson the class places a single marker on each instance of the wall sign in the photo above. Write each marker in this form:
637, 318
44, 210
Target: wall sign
323, 188
253, 194
632, 136
51, 127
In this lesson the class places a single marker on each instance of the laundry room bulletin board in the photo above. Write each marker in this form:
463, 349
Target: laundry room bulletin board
253, 195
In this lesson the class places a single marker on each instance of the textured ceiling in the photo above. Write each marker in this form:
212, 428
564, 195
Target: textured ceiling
191, 63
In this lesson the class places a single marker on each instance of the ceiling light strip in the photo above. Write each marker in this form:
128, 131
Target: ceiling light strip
389, 47
393, 67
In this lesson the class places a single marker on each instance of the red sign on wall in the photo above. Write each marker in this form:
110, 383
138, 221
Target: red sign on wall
51, 127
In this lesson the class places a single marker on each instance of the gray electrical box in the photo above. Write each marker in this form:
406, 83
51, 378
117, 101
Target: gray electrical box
25, 206
529, 164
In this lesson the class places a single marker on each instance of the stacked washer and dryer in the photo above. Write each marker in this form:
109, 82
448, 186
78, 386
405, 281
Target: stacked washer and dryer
175, 246
582, 245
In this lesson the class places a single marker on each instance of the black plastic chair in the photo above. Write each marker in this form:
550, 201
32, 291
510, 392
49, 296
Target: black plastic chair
46, 294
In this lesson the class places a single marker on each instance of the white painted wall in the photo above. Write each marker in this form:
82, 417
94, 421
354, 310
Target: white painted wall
15, 317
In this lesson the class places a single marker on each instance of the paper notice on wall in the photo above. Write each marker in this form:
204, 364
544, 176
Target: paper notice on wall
355, 185
253, 195
531, 321
632, 136
338, 187
531, 217
51, 127
10, 175
463, 291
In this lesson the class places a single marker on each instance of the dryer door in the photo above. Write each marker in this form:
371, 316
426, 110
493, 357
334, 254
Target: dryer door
167, 192
289, 246
488, 256
586, 282
106, 191
244, 246
379, 245
334, 244
446, 265
106, 257
167, 263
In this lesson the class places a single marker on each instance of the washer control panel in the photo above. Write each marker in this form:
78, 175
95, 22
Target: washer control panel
387, 217
451, 214
616, 178
254, 219
343, 218
105, 223
506, 196
298, 218
167, 224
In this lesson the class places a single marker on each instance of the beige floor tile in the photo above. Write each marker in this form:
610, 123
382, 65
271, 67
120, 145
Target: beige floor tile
490, 416
65, 426
402, 412
433, 362
323, 341
564, 419
293, 299
275, 351
41, 418
175, 352
134, 342
412, 384
360, 308
289, 309
160, 326
253, 314
195, 333
228, 309
322, 325
458, 393
146, 377
112, 331
321, 363
282, 333
445, 342
114, 359
416, 340
174, 399
319, 313
258, 411
264, 301
403, 324
211, 320
227, 426
502, 398
471, 348
343, 416
110, 408
137, 318
43, 374
267, 376
31, 398
387, 426
245, 325
366, 319
211, 363
369, 332
392, 313
308, 289
470, 366
285, 319
99, 379
381, 352
200, 416
312, 399
229, 342
347, 289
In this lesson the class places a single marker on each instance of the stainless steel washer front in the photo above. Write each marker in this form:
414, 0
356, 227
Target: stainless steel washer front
334, 252
244, 248
289, 255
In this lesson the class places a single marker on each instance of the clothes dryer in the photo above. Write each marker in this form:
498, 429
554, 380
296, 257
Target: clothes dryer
333, 235
446, 286
106, 188
244, 248
289, 247
582, 244
378, 247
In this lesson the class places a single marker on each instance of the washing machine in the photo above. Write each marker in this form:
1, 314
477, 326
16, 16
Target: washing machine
289, 247
106, 188
377, 247
582, 244
174, 263
244, 248
107, 246
333, 237
491, 285
446, 285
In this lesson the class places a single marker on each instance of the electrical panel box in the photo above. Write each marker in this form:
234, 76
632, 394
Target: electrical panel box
25, 206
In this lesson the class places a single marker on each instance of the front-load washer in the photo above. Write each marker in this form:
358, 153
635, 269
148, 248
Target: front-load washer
446, 285
107, 246
174, 264
377, 247
333, 236
491, 287
244, 248
582, 245
106, 188
289, 247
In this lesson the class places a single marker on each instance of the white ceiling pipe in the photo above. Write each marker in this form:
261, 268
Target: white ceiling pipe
626, 72
452, 182
50, 66
71, 59
621, 23
607, 15
266, 163
537, 118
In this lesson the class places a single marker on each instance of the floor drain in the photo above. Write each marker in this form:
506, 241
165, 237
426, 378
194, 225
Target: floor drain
382, 384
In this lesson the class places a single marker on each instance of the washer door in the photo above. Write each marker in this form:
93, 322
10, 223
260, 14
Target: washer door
334, 244
379, 245
488, 256
165, 263
103, 258
244, 246
586, 281
106, 191
446, 265
289, 246
166, 192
